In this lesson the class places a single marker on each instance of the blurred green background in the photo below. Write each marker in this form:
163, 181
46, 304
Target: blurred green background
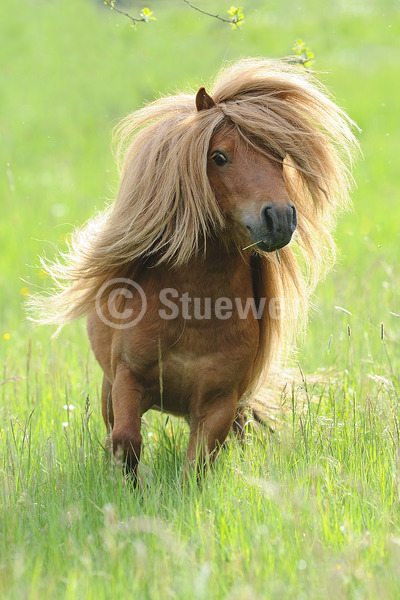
329, 492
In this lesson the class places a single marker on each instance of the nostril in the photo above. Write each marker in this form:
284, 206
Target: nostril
275, 218
267, 217
294, 217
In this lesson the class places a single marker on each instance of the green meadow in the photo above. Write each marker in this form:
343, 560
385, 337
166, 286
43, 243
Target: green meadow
310, 511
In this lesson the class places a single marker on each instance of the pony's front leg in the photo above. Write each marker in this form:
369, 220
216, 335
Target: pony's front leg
210, 423
127, 411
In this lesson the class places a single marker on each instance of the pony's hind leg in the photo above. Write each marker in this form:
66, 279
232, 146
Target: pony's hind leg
127, 411
106, 404
239, 424
210, 423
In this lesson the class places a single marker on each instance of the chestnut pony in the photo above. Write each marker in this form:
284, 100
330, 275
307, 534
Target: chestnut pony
191, 279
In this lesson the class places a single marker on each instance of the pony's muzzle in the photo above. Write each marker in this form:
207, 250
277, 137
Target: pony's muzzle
276, 227
279, 223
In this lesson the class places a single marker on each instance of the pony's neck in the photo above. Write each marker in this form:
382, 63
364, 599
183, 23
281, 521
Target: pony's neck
218, 252
219, 271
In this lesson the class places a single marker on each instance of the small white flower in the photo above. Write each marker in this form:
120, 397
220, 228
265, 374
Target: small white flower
69, 407
301, 565
65, 424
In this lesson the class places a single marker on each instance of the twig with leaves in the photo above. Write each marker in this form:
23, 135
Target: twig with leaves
303, 55
235, 14
145, 16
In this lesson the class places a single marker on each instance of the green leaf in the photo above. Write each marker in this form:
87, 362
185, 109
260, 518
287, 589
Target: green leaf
298, 46
304, 54
236, 16
147, 15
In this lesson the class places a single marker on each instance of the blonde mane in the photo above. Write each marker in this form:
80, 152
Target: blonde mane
165, 209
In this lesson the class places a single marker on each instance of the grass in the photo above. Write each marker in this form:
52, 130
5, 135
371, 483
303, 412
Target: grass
311, 511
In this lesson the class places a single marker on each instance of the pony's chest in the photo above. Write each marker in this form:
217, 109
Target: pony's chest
195, 362
182, 379
198, 337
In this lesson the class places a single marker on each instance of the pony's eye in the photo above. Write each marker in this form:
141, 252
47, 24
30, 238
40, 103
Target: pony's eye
219, 158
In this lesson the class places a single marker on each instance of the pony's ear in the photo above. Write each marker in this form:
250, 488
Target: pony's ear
203, 100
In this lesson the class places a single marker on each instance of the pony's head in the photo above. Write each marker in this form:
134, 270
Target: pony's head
188, 161
249, 188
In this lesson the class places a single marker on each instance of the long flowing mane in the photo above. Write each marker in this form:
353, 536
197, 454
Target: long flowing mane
165, 209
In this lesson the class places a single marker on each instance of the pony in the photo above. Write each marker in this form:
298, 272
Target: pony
198, 276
